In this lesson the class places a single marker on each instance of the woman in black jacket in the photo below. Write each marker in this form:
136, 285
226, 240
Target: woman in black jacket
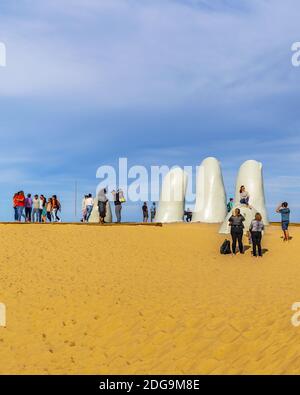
237, 230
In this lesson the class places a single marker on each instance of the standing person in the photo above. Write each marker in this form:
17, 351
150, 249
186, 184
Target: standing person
285, 212
44, 214
20, 204
118, 204
145, 212
153, 211
237, 229
230, 205
56, 206
49, 209
15, 206
35, 208
189, 215
83, 208
256, 228
42, 206
28, 207
89, 204
244, 196
102, 202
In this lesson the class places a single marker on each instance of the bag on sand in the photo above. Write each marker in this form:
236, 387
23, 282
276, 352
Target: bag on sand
225, 248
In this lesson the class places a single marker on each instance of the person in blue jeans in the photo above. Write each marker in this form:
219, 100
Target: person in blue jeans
285, 212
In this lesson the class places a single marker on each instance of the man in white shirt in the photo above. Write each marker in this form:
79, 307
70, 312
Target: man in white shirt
89, 204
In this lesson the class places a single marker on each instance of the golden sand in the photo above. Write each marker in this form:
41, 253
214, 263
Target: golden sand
92, 299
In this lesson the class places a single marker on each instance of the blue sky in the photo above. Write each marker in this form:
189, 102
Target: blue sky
158, 81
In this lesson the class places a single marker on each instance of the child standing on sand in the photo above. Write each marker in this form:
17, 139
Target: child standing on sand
285, 212
256, 228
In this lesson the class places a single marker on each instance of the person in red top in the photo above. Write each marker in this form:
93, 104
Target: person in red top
20, 204
15, 206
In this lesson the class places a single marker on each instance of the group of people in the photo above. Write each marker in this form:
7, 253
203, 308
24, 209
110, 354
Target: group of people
36, 209
101, 201
255, 232
145, 211
88, 203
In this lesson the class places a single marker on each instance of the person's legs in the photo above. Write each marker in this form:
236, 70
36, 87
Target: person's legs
102, 212
285, 228
287, 235
254, 243
15, 213
35, 215
117, 213
56, 216
40, 214
53, 214
49, 216
234, 240
28, 214
20, 213
118, 209
240, 241
88, 213
259, 237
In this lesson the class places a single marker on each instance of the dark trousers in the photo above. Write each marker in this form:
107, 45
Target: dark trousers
237, 236
28, 211
118, 209
16, 213
256, 243
40, 214
102, 210
49, 216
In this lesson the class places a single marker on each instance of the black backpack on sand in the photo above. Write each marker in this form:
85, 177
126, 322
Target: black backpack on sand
225, 248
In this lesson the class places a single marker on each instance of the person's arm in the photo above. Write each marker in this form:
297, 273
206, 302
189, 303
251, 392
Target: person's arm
263, 226
279, 208
251, 226
242, 218
230, 221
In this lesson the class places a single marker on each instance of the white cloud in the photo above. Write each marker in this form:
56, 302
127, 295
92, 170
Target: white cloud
129, 53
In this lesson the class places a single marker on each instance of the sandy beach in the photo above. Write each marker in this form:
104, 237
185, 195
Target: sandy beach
141, 299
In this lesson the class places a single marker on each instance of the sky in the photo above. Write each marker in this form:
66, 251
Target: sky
161, 82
